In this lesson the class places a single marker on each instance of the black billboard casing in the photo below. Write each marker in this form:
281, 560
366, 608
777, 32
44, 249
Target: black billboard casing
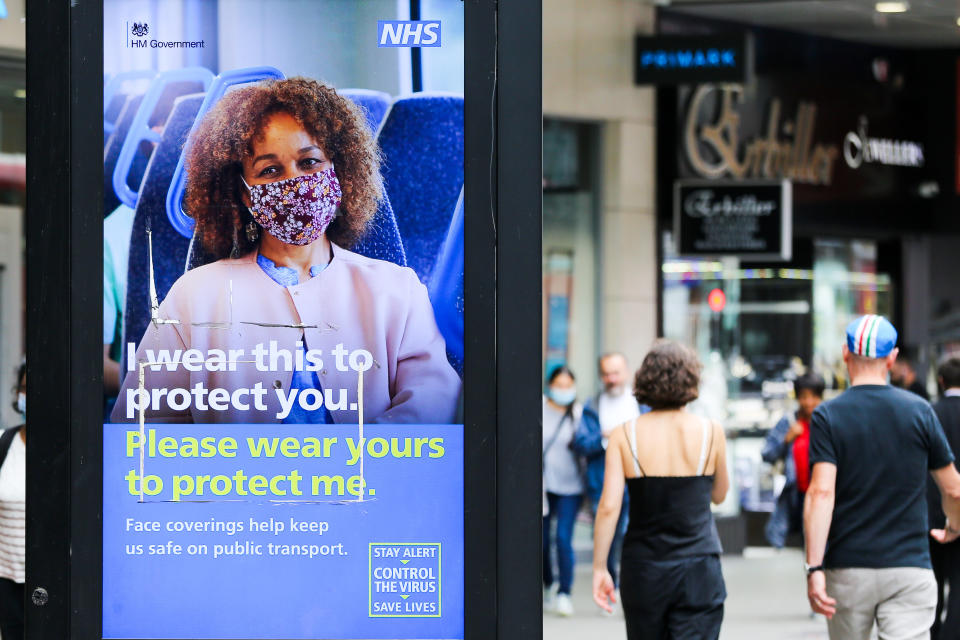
64, 256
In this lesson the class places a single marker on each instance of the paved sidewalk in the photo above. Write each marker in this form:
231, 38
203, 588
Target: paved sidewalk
766, 599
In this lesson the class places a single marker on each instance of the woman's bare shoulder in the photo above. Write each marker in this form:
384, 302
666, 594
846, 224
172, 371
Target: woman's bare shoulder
618, 437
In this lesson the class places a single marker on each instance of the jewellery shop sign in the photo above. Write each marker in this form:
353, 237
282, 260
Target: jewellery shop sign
826, 146
749, 219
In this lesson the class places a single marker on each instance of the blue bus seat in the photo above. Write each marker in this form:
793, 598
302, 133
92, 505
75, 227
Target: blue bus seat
112, 86
178, 219
111, 153
111, 113
169, 247
446, 289
374, 104
382, 239
422, 144
152, 114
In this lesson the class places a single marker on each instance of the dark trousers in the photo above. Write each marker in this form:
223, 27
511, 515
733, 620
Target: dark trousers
672, 599
946, 567
613, 558
11, 609
564, 510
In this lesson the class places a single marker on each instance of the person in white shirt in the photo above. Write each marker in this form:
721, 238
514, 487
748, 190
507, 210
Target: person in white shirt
602, 414
13, 457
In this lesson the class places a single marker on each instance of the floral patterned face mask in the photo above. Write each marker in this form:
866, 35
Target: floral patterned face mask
296, 210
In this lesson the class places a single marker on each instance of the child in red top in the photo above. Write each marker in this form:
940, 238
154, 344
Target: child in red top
790, 441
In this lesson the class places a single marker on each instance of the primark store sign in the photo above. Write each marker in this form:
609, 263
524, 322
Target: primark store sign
669, 60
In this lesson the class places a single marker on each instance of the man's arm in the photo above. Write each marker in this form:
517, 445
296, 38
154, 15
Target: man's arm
588, 439
817, 516
948, 481
940, 460
775, 446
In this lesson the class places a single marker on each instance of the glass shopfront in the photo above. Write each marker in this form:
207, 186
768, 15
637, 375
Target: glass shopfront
868, 159
756, 327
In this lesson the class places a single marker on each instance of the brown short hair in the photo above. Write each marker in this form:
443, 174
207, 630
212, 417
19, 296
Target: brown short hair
669, 377
216, 149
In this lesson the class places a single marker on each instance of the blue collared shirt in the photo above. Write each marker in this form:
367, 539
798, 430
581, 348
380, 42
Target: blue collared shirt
287, 277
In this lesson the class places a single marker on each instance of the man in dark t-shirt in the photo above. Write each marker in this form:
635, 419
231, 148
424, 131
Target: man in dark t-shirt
865, 515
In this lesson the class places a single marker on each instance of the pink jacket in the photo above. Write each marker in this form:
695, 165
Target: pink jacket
357, 302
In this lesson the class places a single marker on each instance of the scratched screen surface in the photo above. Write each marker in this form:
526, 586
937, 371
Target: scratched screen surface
283, 319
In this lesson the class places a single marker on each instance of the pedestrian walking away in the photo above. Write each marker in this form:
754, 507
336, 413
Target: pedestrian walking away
602, 414
674, 464
946, 557
789, 441
903, 374
562, 486
865, 515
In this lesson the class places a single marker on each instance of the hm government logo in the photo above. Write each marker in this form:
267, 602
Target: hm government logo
138, 40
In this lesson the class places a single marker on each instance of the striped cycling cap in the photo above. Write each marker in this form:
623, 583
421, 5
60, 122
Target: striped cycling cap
871, 336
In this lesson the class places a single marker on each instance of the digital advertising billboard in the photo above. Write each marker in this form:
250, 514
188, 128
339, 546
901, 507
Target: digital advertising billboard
283, 319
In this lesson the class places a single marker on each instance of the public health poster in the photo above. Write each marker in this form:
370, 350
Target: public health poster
283, 319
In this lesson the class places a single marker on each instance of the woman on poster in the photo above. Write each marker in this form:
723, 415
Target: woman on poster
282, 178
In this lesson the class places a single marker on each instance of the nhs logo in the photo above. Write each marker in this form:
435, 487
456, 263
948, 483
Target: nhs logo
408, 33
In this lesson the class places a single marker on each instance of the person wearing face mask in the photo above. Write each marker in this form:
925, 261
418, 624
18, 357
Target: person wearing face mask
282, 178
602, 414
562, 484
13, 456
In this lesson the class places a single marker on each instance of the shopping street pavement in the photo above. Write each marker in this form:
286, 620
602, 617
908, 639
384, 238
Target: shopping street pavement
766, 599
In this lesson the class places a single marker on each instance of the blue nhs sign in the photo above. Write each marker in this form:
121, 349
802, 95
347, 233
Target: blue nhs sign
408, 33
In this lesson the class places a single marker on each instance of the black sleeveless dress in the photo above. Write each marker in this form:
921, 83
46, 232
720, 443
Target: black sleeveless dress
671, 582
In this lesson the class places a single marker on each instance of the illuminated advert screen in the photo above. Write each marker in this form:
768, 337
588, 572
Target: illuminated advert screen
283, 319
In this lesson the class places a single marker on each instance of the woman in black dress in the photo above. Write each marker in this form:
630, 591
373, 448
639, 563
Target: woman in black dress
674, 464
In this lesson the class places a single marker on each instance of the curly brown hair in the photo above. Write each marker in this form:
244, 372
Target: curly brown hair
217, 147
669, 377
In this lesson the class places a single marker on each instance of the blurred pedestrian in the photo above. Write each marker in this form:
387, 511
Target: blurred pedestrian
865, 516
674, 464
903, 374
789, 441
603, 413
13, 457
945, 558
563, 484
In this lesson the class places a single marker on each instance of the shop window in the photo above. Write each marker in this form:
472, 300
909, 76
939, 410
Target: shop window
769, 323
570, 248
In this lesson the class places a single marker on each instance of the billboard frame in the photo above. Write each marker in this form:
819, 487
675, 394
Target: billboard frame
502, 80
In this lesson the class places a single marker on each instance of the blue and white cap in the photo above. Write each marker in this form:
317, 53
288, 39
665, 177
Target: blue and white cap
871, 337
